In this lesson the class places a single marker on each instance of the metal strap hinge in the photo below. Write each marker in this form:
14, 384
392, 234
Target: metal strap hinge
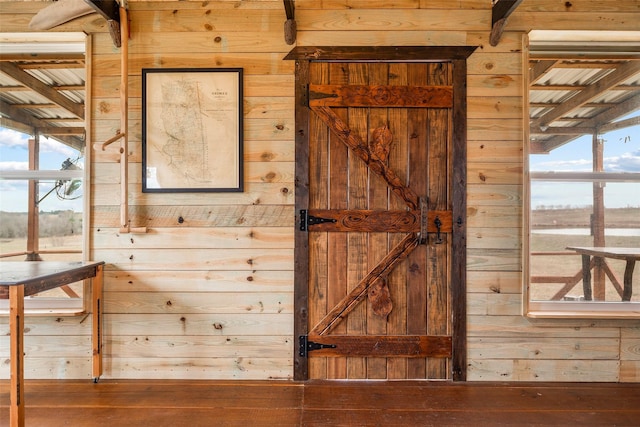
306, 220
306, 346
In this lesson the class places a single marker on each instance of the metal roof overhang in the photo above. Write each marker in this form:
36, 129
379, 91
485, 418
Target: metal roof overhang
42, 85
581, 83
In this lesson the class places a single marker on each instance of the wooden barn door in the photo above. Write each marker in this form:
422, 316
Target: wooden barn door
379, 295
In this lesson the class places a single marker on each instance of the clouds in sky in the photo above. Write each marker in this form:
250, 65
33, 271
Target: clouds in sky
581, 165
14, 166
12, 140
627, 162
14, 154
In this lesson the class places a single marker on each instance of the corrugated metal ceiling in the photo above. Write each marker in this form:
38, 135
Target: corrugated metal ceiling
579, 85
38, 69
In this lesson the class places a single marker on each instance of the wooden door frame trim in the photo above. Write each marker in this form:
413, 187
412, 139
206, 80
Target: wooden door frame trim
301, 238
380, 53
459, 214
457, 56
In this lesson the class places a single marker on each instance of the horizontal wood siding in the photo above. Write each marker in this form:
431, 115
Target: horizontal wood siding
211, 295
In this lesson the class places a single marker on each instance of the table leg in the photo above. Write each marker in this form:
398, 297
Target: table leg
16, 332
96, 337
628, 274
586, 277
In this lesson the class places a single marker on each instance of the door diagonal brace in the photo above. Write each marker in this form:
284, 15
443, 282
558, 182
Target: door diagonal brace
357, 294
360, 149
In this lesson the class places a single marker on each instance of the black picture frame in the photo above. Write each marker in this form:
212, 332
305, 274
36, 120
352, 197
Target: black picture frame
192, 130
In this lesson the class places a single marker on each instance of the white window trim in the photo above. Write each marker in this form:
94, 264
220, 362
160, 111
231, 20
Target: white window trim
42, 175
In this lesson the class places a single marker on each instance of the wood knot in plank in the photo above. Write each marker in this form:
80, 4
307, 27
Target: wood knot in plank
380, 145
380, 298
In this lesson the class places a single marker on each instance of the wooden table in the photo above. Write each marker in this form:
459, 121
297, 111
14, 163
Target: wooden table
630, 255
21, 279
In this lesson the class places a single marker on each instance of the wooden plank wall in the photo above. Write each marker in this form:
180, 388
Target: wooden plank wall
211, 297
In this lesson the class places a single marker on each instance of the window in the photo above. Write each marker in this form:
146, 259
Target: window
583, 157
42, 168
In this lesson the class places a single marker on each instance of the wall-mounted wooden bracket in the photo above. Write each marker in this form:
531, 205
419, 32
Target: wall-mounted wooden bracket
290, 26
499, 13
110, 10
132, 230
108, 141
122, 135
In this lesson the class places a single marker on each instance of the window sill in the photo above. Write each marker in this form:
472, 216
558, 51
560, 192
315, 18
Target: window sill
583, 310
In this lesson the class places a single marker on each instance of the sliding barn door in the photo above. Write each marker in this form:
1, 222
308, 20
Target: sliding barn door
378, 221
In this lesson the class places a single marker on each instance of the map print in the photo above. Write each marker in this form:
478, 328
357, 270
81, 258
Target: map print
185, 145
192, 131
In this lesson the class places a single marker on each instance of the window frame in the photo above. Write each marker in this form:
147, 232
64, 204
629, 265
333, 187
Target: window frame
53, 305
62, 306
557, 309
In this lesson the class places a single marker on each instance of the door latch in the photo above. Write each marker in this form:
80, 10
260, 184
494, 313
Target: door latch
438, 223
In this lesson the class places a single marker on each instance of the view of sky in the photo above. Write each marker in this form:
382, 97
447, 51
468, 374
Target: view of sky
621, 154
14, 155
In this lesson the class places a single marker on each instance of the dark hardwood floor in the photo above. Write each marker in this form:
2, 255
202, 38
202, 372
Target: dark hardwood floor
278, 403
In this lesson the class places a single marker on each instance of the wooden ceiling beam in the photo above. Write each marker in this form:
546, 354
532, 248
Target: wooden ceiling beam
564, 130
20, 121
499, 14
51, 66
57, 57
18, 114
622, 73
290, 9
68, 87
540, 69
622, 124
290, 26
110, 10
25, 89
599, 122
628, 106
14, 89
581, 65
546, 146
61, 120
41, 88
34, 105
587, 105
60, 130
9, 123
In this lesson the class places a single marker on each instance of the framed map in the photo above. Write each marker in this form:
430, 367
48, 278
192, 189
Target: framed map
192, 130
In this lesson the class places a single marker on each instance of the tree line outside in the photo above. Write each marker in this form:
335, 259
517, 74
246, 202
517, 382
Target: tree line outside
13, 225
